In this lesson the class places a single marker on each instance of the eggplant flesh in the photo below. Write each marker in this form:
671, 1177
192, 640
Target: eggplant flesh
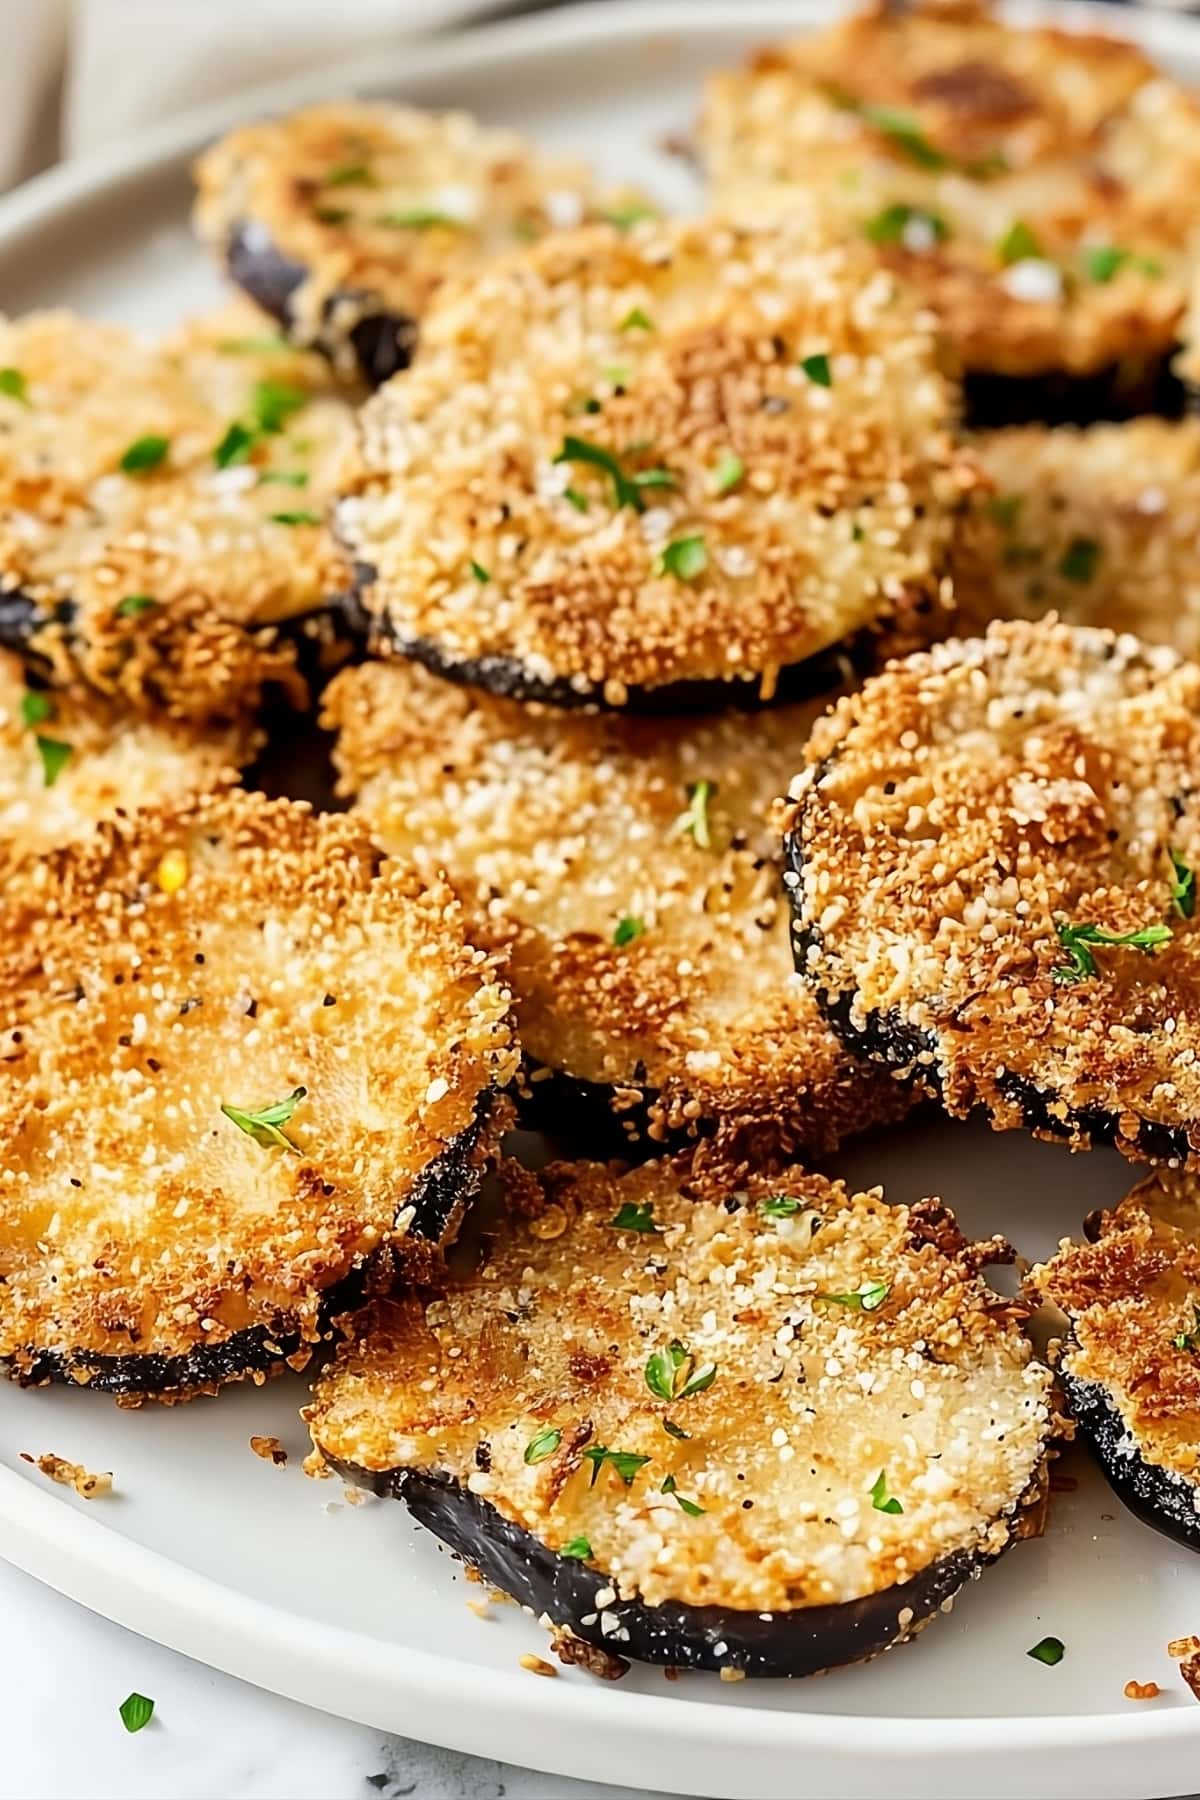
991, 401
803, 1641
1159, 1498
383, 342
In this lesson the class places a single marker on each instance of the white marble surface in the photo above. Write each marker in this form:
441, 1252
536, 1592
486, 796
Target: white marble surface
64, 1672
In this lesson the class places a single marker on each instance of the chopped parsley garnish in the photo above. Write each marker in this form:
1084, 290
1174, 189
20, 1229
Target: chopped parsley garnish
684, 558
1103, 260
543, 1444
627, 929
634, 1215
479, 572
1050, 1651
265, 1126
332, 215
574, 498
780, 1206
422, 218
578, 1550
694, 822
627, 489
636, 320
625, 1463
1189, 1340
55, 756
880, 1499
905, 133
236, 445
685, 1505
295, 518
888, 226
12, 383
1183, 885
36, 707
274, 402
254, 346
1019, 244
136, 1711
616, 373
868, 1296
728, 472
625, 216
349, 174
294, 478
144, 454
1077, 941
133, 604
817, 369
1005, 508
671, 1374
1078, 561
674, 1430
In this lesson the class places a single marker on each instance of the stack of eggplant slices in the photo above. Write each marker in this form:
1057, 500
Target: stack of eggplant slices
753, 650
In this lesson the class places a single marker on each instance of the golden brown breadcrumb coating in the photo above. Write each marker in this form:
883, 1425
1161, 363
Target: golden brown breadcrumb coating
1032, 182
231, 956
970, 834
624, 462
806, 1400
647, 932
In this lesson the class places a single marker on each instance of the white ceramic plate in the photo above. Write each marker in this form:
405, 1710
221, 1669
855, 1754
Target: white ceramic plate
260, 1572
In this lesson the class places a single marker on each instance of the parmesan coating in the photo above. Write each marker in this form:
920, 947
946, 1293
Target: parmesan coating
968, 833
375, 206
1032, 183
624, 462
1131, 1296
68, 761
236, 953
647, 932
1101, 526
166, 584
803, 1407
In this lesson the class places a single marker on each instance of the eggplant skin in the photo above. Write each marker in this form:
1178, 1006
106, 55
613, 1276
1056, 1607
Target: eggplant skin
438, 1199
383, 342
1153, 1494
805, 1641
991, 401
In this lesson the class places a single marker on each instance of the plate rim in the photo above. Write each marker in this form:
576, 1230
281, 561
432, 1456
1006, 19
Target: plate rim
46, 1536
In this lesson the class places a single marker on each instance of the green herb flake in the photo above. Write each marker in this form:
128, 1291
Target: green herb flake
817, 369
685, 1505
542, 1445
1101, 261
1183, 886
136, 1712
867, 1297
55, 756
1018, 244
888, 226
144, 454
674, 1430
1005, 509
578, 1550
780, 1206
133, 604
671, 1374
1078, 940
1050, 1651
1189, 1340
349, 174
479, 572
880, 1498
12, 383
694, 822
625, 216
574, 498
1078, 561
624, 1463
332, 215
728, 473
421, 218
235, 446
1149, 265
36, 707
293, 478
295, 518
634, 1215
905, 133
265, 1126
636, 320
626, 930
274, 402
684, 558
626, 489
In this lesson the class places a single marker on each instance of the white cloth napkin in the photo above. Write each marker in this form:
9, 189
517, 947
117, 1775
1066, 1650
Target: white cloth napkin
80, 73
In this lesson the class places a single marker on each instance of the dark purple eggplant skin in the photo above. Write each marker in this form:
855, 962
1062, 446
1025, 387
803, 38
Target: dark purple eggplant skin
890, 1039
1057, 398
442, 1192
383, 341
1157, 1498
803, 1641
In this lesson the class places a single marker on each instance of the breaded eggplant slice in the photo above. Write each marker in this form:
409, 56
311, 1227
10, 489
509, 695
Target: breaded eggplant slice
992, 852
1130, 1364
628, 868
342, 221
67, 761
765, 1429
1032, 183
162, 506
669, 468
1101, 526
249, 1075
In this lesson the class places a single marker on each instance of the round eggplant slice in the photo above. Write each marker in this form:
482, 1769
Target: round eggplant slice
628, 868
68, 761
1130, 1364
659, 469
1101, 526
343, 221
161, 510
1030, 184
992, 853
764, 1429
249, 1076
